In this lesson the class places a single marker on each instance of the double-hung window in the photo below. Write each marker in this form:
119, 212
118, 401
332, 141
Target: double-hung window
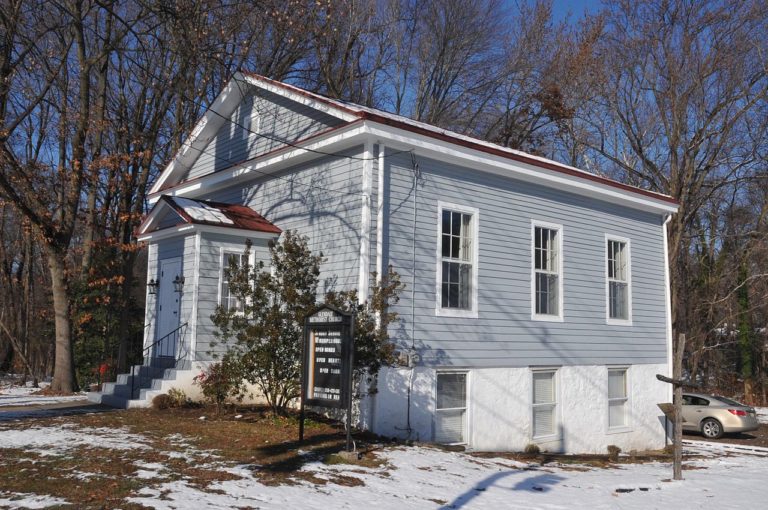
457, 261
227, 299
618, 280
451, 408
617, 397
547, 285
544, 403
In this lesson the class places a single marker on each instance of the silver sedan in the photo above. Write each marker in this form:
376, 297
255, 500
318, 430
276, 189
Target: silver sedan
713, 416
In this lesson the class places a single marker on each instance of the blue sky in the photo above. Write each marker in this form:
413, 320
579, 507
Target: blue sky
577, 8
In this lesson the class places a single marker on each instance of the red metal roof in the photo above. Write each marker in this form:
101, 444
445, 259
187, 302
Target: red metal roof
380, 116
220, 214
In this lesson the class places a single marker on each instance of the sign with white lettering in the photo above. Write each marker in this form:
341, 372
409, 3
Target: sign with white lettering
327, 358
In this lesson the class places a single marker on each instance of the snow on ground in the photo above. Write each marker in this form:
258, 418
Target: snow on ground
422, 477
427, 478
11, 395
17, 500
61, 439
762, 414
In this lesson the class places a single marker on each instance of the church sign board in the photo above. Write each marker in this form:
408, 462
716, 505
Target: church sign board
327, 358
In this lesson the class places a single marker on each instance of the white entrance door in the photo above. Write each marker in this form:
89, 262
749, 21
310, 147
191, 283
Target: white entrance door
168, 309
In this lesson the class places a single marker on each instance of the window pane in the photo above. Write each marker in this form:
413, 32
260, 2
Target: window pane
543, 421
453, 295
465, 285
446, 246
546, 294
616, 413
618, 300
451, 391
543, 387
552, 304
449, 426
617, 387
456, 245
456, 223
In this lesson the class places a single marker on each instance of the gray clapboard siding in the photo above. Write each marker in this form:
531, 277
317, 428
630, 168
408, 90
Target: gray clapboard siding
321, 200
169, 219
261, 123
211, 246
504, 334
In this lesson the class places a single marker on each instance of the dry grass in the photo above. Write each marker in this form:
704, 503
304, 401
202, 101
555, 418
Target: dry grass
191, 449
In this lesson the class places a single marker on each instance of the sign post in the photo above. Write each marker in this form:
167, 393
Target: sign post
327, 363
675, 410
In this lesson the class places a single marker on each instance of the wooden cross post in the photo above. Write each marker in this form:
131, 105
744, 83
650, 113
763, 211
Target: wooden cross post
677, 403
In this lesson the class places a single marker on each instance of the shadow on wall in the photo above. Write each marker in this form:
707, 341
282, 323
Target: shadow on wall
537, 483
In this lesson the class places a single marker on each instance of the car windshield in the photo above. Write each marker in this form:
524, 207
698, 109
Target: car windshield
730, 402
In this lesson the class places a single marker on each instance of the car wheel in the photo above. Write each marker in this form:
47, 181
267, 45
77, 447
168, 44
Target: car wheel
711, 429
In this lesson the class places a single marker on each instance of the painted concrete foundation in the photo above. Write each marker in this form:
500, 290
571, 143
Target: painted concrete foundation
499, 416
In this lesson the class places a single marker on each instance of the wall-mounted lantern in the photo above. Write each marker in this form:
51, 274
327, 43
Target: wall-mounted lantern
178, 284
153, 286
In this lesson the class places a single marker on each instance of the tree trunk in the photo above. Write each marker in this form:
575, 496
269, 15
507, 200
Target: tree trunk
64, 366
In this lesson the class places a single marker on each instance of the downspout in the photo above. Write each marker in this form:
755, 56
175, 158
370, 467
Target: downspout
668, 302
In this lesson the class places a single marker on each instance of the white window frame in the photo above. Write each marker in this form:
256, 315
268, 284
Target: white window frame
441, 311
229, 250
608, 319
466, 407
559, 317
627, 426
556, 404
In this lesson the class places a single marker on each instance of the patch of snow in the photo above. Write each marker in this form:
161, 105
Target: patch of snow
149, 470
58, 440
11, 395
18, 500
202, 212
426, 478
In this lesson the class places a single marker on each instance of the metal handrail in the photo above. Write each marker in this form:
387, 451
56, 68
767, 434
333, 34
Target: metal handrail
147, 350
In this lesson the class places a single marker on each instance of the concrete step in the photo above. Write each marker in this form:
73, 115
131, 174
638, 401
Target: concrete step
134, 389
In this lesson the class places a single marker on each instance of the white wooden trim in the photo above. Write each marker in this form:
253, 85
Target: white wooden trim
608, 319
331, 142
148, 317
556, 416
668, 302
238, 251
472, 313
193, 227
195, 298
365, 224
203, 132
380, 222
380, 215
396, 138
301, 97
467, 405
481, 161
560, 317
627, 427
154, 215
